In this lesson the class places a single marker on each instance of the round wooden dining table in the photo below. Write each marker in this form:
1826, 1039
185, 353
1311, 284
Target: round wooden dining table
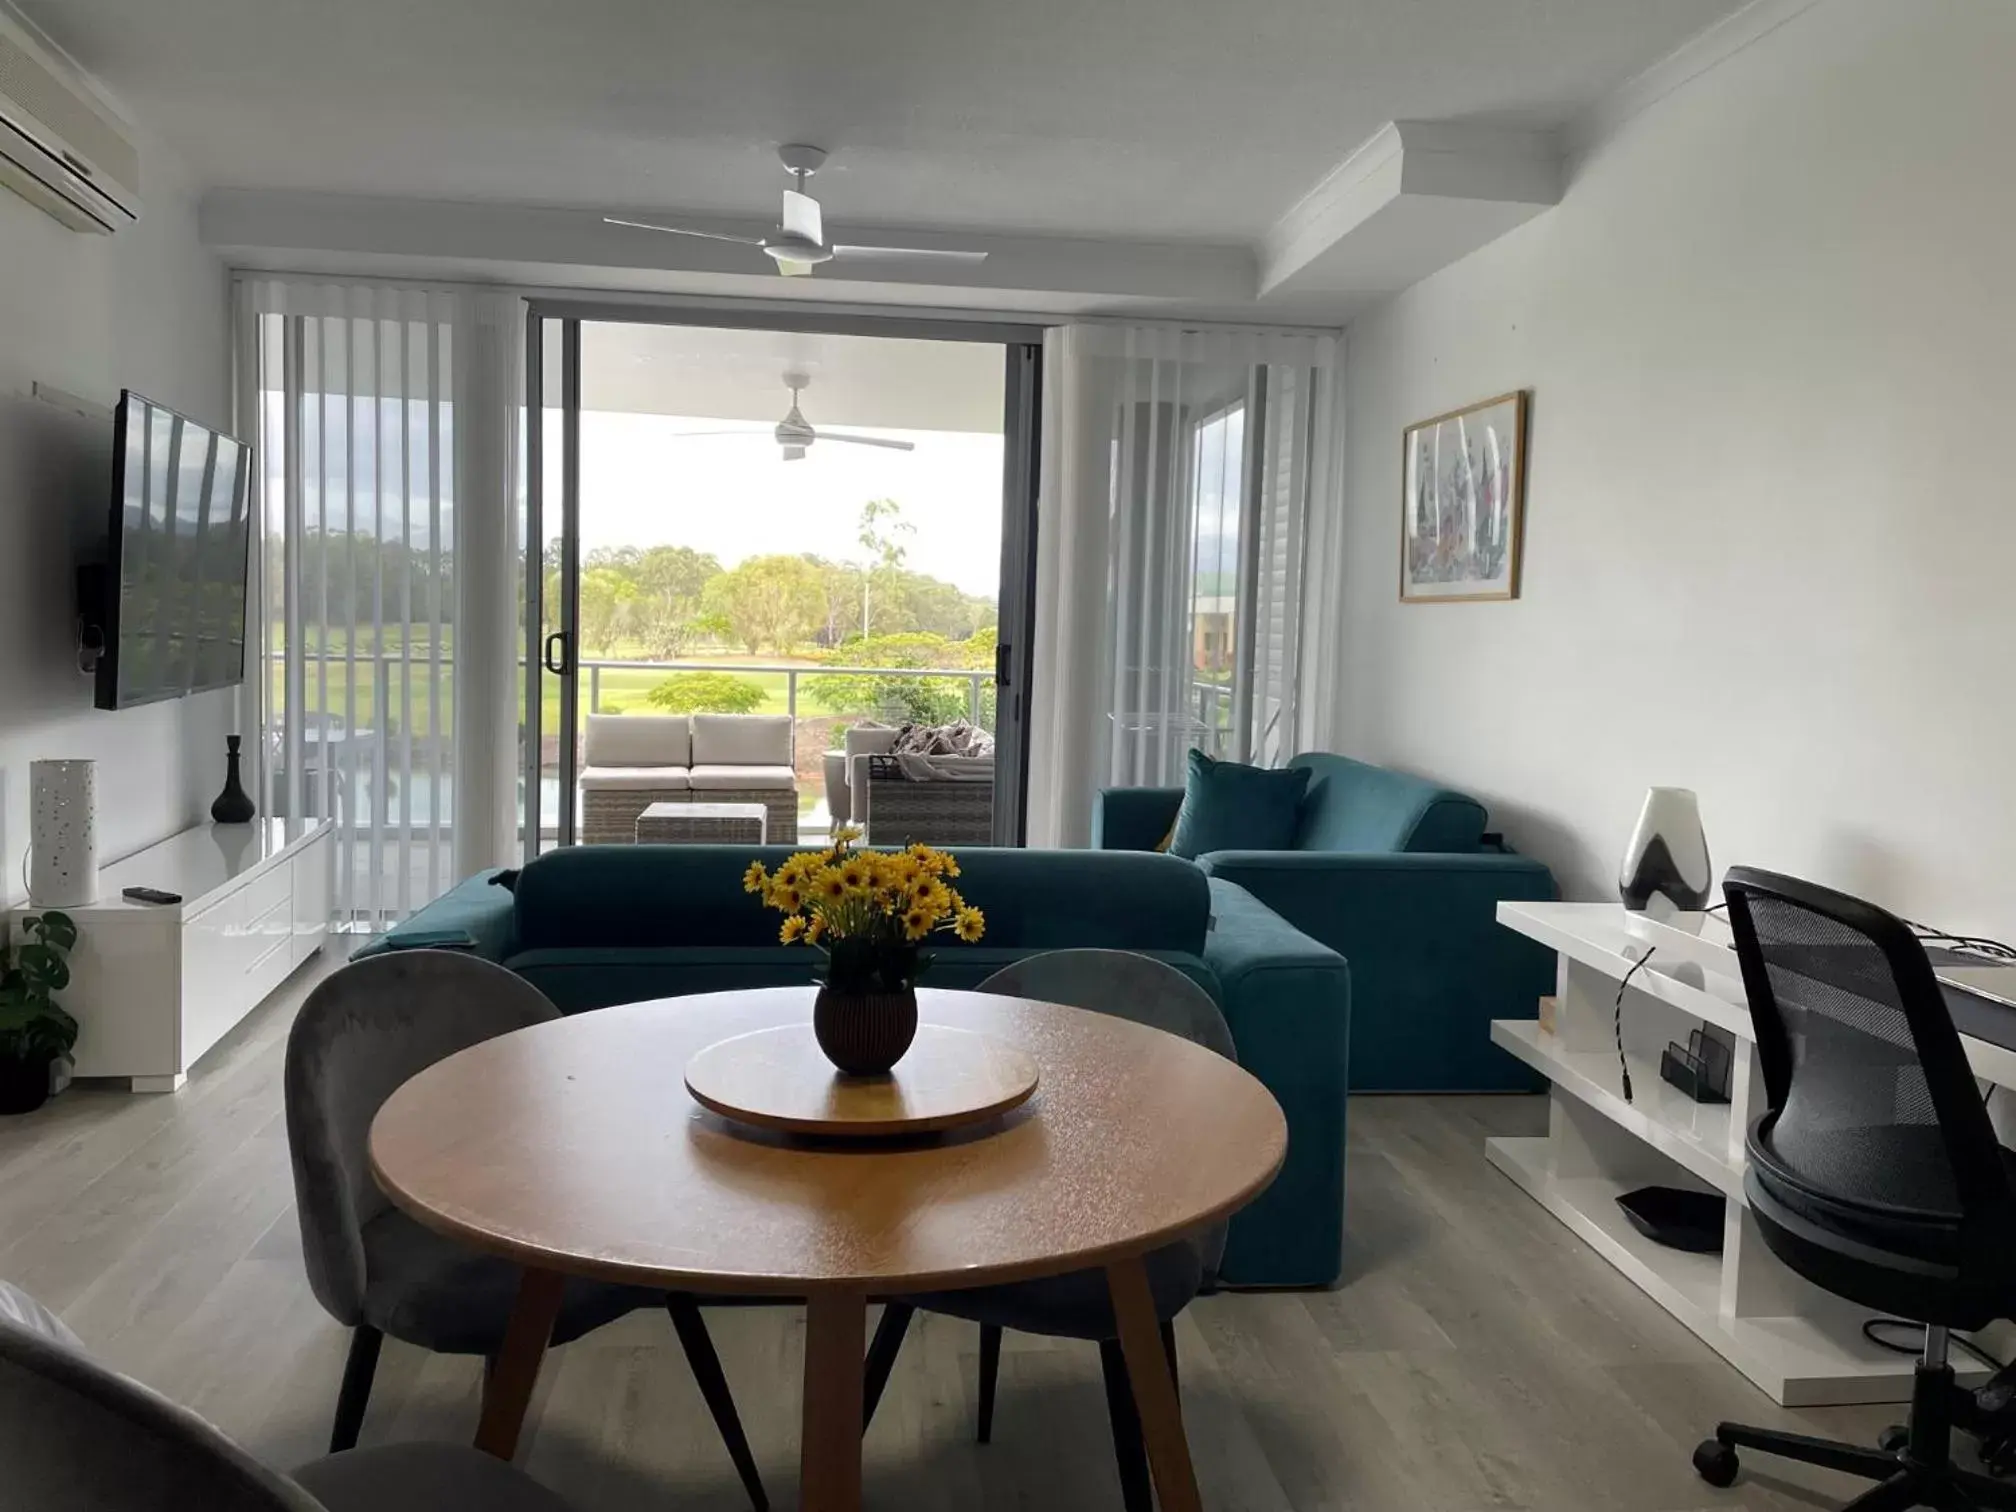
574, 1149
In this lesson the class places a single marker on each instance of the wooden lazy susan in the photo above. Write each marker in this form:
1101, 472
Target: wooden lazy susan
780, 1079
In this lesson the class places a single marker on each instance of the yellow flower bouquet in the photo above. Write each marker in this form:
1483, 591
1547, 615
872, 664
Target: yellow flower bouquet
870, 912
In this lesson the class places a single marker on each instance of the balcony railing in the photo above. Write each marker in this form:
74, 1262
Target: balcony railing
373, 757
976, 679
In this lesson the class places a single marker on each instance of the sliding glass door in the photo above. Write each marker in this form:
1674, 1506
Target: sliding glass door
795, 541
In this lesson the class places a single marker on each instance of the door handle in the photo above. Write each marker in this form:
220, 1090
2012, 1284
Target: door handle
1001, 662
556, 665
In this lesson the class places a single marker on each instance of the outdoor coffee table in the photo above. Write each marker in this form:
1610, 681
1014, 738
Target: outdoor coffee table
703, 824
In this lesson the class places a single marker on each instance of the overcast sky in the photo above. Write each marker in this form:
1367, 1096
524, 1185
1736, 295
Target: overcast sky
646, 481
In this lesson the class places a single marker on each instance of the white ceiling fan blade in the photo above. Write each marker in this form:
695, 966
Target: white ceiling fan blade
842, 249
740, 241
866, 440
801, 217
790, 267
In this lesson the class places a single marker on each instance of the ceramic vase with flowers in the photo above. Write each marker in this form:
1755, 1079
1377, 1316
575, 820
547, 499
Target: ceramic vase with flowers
871, 913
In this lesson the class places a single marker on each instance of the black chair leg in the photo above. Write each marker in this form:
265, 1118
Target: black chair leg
1169, 1349
990, 1373
1130, 1453
1989, 1494
882, 1352
1850, 1459
706, 1367
358, 1372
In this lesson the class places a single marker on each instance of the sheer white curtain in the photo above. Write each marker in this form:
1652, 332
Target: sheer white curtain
1178, 470
387, 421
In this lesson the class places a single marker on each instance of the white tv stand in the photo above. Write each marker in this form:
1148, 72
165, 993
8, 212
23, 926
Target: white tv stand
154, 986
1800, 1345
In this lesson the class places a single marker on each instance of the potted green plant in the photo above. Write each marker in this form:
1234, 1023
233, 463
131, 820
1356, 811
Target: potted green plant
34, 1032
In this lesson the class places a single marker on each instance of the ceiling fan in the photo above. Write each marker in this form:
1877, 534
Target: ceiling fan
795, 434
799, 244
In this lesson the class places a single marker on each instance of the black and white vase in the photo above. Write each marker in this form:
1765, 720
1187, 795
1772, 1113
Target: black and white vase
1668, 854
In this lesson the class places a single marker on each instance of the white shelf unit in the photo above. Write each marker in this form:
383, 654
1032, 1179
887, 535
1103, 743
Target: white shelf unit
1814, 1357
154, 986
1801, 1346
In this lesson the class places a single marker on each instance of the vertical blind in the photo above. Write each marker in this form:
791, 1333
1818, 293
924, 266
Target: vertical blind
1178, 471
367, 405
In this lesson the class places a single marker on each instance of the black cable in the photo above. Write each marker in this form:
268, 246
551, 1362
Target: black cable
1994, 950
1617, 1019
1870, 1327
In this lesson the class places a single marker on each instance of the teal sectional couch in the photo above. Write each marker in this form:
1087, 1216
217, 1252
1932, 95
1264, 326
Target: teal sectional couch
596, 925
1397, 875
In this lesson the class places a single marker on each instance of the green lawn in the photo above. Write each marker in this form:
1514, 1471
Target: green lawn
613, 690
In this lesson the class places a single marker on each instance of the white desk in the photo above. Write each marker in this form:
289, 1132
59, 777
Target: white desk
152, 987
1800, 1345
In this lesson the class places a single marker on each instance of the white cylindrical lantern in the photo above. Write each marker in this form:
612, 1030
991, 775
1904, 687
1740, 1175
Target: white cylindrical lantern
62, 833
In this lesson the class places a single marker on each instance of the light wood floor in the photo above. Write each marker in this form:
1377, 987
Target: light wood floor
1476, 1355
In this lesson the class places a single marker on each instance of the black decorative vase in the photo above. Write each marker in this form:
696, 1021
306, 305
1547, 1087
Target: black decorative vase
1668, 854
864, 1033
24, 1083
234, 804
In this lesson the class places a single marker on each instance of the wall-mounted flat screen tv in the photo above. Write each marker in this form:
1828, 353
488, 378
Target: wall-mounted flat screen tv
174, 587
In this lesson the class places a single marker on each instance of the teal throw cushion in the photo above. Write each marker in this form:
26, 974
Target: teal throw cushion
1227, 806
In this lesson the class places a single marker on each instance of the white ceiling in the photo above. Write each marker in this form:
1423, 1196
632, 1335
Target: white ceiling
1184, 119
1192, 125
855, 382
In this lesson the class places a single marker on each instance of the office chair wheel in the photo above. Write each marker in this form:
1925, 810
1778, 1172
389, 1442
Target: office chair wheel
1998, 1454
1892, 1440
1715, 1463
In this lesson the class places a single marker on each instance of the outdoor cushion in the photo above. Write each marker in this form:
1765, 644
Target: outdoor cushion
607, 779
742, 740
635, 740
870, 740
716, 778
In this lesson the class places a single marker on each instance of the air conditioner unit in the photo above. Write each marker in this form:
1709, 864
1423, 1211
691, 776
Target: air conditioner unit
61, 149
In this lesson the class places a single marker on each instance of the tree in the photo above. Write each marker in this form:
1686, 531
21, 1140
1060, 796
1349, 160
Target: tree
770, 601
706, 693
671, 581
890, 696
882, 526
606, 594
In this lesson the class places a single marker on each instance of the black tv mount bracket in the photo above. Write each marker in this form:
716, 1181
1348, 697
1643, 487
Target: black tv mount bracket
90, 619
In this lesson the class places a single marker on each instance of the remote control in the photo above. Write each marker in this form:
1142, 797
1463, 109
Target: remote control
150, 895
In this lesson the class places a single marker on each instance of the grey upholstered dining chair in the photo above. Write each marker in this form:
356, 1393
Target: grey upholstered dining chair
361, 1035
77, 1437
1078, 1306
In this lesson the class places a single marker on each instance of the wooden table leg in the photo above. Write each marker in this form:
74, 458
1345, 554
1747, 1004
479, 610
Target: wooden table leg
836, 1333
1154, 1387
514, 1369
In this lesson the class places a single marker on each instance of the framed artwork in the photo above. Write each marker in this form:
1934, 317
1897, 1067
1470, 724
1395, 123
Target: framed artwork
1462, 498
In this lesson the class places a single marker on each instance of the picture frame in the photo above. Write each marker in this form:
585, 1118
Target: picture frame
1463, 502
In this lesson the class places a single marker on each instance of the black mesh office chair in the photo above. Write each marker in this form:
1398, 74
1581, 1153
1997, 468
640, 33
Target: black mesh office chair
1873, 1171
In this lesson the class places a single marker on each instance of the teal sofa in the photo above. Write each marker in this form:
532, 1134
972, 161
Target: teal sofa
1397, 875
596, 925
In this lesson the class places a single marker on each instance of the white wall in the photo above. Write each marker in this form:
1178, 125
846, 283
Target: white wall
1771, 518
143, 310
